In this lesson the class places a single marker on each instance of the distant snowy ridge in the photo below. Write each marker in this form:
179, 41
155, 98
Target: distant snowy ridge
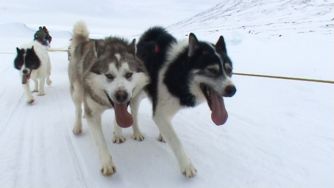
16, 29
273, 17
23, 31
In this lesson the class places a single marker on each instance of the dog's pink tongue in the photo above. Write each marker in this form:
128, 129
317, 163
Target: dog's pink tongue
219, 113
123, 118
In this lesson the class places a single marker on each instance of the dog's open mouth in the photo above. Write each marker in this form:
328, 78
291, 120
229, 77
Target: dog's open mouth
216, 104
25, 78
123, 117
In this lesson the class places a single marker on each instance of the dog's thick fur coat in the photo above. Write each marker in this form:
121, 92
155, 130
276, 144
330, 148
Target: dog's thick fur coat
104, 74
33, 62
183, 74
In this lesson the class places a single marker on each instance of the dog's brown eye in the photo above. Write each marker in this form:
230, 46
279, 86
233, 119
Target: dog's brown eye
128, 75
213, 71
228, 69
110, 76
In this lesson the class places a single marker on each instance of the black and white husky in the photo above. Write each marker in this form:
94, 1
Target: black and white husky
183, 74
33, 62
105, 74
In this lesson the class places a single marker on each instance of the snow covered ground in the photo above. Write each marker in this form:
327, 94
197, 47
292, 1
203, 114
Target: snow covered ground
279, 133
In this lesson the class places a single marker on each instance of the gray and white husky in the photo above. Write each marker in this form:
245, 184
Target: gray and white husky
183, 74
105, 74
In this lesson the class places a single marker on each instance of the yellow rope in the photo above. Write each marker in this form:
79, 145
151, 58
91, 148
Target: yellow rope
50, 50
57, 50
284, 78
235, 73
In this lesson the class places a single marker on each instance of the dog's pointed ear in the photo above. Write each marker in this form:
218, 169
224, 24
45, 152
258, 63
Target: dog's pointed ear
220, 45
193, 44
18, 61
99, 47
45, 29
95, 68
132, 47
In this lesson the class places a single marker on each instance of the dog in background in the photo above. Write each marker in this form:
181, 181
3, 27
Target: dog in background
33, 62
105, 74
43, 36
184, 74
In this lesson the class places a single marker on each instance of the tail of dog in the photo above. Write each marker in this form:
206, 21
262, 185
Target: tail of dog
80, 34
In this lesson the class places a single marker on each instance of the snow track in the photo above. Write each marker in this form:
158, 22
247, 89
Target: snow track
279, 133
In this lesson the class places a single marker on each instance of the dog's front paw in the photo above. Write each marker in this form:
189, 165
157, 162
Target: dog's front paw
30, 101
189, 171
138, 136
118, 139
41, 94
108, 169
35, 90
161, 139
77, 130
49, 82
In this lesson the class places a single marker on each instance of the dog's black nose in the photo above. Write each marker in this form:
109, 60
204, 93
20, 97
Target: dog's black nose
25, 71
230, 91
121, 96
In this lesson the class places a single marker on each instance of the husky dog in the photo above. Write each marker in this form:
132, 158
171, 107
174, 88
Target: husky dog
183, 74
32, 60
43, 36
105, 74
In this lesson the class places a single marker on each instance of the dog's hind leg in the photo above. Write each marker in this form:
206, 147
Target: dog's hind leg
94, 122
77, 98
48, 80
118, 137
26, 88
134, 104
167, 131
41, 84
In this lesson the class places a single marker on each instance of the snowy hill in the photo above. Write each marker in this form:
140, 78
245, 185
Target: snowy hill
279, 133
266, 17
16, 30
124, 17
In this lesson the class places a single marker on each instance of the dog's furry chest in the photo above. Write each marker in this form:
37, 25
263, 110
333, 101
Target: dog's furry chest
37, 74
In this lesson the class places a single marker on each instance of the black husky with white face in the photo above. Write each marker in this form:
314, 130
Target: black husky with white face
26, 61
192, 71
182, 74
